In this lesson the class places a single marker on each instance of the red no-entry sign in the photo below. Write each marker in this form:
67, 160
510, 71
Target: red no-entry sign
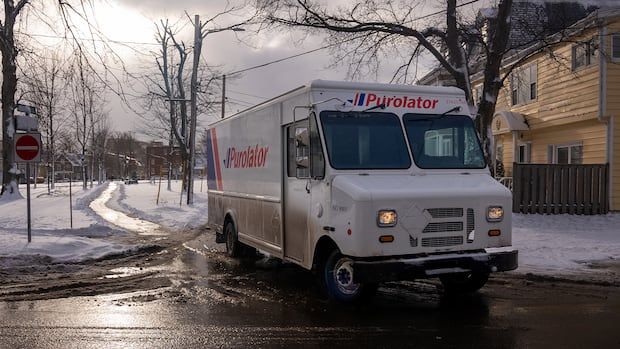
28, 147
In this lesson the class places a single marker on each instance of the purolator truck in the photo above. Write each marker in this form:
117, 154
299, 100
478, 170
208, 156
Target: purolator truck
362, 183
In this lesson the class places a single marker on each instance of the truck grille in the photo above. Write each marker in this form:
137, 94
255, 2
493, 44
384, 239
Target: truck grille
442, 227
442, 241
471, 224
445, 212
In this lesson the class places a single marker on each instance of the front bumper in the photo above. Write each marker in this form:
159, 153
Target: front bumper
425, 266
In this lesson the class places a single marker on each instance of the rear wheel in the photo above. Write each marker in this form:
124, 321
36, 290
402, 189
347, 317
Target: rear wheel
338, 280
233, 246
464, 283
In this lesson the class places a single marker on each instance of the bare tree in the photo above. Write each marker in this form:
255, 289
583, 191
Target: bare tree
367, 31
87, 109
69, 19
44, 82
172, 82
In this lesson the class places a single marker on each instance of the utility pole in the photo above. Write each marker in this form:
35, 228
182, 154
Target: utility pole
194, 108
223, 95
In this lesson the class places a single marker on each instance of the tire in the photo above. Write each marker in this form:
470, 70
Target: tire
337, 280
465, 283
233, 246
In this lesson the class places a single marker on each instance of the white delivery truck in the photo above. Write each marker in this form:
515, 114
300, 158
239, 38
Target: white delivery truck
362, 183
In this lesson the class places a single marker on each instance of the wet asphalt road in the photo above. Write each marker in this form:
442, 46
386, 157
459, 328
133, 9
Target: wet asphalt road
210, 300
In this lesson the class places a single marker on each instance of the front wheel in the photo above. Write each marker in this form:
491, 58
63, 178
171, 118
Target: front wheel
338, 280
464, 283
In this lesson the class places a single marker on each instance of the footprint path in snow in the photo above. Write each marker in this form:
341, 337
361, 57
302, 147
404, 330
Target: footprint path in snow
119, 218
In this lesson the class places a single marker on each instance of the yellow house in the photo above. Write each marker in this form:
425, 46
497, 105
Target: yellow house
562, 105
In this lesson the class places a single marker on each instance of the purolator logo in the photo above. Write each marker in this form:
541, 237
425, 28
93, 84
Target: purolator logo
247, 158
409, 102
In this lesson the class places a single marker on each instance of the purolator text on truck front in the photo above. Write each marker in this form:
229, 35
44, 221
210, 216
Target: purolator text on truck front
362, 183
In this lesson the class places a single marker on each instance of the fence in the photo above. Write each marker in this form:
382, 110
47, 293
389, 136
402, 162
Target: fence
556, 189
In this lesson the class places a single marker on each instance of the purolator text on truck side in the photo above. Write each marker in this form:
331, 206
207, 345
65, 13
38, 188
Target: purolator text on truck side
362, 183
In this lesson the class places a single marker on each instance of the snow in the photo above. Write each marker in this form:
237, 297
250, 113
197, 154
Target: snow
565, 244
140, 200
51, 228
119, 218
105, 215
490, 98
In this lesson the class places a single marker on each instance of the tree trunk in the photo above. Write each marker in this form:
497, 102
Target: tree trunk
194, 109
9, 86
498, 41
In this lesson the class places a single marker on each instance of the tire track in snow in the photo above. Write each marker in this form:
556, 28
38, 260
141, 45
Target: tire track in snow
120, 219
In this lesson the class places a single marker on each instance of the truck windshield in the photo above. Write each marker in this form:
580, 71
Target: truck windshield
443, 142
363, 140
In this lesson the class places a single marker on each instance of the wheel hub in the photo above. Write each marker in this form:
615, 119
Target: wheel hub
343, 275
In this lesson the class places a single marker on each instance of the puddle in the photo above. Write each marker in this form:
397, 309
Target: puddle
124, 272
120, 219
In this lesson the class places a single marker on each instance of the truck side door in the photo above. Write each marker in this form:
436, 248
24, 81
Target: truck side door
296, 195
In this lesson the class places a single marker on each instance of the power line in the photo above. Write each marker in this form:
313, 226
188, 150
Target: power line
95, 39
246, 94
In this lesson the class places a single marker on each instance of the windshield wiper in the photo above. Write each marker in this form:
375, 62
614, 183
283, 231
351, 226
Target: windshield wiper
457, 108
382, 106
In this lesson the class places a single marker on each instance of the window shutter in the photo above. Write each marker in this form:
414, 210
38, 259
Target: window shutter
533, 85
549, 154
573, 57
524, 85
528, 153
615, 46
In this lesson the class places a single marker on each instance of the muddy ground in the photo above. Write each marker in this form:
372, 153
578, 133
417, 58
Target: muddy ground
182, 291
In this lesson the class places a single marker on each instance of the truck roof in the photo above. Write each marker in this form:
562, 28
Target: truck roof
354, 85
374, 86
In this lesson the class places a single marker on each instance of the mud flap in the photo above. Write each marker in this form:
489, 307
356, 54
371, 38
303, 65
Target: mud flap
220, 237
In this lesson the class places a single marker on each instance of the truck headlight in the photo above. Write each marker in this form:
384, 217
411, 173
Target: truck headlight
387, 218
495, 214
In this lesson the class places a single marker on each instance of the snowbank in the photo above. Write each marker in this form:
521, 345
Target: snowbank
565, 244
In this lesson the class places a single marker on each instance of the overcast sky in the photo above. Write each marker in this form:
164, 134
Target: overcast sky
133, 20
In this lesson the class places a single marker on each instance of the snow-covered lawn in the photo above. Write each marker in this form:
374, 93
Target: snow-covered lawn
51, 227
140, 200
565, 244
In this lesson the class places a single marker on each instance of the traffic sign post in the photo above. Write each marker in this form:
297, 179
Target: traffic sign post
28, 150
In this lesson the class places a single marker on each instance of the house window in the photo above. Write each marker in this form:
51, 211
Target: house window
570, 154
583, 54
523, 84
524, 153
615, 46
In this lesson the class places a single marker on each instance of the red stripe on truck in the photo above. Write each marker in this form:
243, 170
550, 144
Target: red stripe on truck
216, 154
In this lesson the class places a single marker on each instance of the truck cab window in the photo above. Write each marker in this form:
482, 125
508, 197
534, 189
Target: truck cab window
317, 161
364, 140
298, 150
443, 142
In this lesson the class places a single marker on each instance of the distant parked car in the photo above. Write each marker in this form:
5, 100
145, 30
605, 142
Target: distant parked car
132, 180
40, 180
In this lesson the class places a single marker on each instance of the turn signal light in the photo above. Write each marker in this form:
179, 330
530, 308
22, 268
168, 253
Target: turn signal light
495, 232
386, 238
